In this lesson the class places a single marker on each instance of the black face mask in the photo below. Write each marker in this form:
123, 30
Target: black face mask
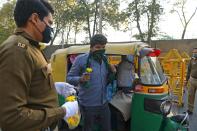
98, 55
47, 34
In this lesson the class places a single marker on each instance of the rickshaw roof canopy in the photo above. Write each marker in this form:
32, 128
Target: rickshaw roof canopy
111, 48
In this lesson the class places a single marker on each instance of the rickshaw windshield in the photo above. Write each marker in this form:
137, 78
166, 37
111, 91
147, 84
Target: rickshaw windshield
151, 72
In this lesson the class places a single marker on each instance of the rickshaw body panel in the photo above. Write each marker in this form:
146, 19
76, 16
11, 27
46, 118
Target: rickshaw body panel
173, 126
142, 120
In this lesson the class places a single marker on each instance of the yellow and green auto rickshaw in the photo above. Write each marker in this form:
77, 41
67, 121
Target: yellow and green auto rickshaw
148, 109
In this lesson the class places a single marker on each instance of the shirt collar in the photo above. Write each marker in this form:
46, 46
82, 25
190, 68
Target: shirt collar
20, 31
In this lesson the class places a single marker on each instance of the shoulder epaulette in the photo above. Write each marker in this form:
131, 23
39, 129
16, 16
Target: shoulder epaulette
24, 46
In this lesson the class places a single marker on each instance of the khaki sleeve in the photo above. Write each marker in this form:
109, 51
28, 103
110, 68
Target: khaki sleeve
16, 67
189, 70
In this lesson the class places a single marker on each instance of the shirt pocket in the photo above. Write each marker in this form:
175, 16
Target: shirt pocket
41, 82
48, 76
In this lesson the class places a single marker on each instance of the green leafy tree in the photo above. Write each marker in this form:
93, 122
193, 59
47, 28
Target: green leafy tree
110, 15
91, 15
61, 10
83, 15
7, 24
69, 15
146, 14
78, 20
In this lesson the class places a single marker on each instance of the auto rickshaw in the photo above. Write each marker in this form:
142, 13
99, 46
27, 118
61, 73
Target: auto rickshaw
151, 87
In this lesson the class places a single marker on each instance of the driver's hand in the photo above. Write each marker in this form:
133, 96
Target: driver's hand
85, 77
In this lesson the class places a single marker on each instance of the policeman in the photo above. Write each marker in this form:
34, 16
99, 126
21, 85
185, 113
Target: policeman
28, 99
192, 77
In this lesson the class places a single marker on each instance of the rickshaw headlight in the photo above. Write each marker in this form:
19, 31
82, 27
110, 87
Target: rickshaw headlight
156, 90
139, 88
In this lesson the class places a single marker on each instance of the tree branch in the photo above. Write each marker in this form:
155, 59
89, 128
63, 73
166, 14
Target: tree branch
183, 13
192, 16
180, 18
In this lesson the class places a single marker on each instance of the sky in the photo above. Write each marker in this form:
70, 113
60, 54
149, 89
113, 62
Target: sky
1, 2
169, 24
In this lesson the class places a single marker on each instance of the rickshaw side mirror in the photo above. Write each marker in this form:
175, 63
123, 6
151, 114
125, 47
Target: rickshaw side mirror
165, 107
152, 52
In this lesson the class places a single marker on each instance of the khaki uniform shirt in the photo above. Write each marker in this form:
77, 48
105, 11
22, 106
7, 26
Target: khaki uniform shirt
28, 99
192, 69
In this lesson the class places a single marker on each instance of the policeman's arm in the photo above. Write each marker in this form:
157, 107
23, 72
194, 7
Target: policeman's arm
16, 68
73, 76
189, 70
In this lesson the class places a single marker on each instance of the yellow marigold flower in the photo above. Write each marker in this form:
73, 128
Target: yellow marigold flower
70, 98
89, 70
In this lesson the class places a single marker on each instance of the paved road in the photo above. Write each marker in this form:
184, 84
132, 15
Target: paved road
192, 118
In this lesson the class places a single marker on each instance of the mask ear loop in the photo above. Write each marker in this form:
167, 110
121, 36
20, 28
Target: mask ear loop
31, 20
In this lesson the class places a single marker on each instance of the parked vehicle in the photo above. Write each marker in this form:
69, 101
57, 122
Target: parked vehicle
150, 90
